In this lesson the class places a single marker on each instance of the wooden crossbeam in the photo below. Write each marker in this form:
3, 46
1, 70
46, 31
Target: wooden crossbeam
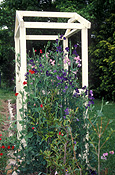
41, 37
47, 14
45, 25
72, 32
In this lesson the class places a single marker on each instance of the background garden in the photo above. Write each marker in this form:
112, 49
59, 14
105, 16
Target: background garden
101, 55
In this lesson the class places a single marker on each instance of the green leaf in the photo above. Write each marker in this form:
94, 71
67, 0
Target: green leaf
30, 135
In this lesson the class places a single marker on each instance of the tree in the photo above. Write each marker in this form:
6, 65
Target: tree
103, 59
7, 24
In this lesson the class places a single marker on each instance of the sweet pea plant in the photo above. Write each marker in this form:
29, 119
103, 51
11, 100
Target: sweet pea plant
54, 125
6, 145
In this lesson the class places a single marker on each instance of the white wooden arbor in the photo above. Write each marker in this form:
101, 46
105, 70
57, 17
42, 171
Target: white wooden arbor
75, 23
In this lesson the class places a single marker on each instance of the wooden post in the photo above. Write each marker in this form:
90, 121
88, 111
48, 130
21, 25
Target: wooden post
17, 68
65, 44
23, 70
84, 39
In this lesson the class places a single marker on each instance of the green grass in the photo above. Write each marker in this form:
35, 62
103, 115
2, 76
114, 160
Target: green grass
108, 115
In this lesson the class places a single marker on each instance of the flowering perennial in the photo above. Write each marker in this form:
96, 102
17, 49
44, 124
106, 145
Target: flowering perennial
56, 91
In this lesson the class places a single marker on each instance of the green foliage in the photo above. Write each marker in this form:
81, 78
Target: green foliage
7, 25
6, 144
54, 115
94, 11
103, 59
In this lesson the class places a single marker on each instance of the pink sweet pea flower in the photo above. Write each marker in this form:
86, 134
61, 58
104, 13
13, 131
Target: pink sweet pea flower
53, 62
105, 154
111, 152
47, 55
102, 157
77, 58
67, 60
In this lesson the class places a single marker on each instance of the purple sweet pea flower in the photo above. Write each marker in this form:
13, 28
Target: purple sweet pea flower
40, 65
77, 90
75, 45
61, 36
67, 49
66, 87
66, 111
59, 49
84, 87
75, 52
91, 93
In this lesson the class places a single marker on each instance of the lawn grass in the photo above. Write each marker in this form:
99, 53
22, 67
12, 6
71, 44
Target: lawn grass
108, 115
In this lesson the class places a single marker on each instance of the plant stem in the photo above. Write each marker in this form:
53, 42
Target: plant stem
75, 153
99, 156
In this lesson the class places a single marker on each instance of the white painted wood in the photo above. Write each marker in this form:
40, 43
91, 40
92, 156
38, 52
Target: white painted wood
41, 37
20, 18
72, 32
83, 21
84, 39
47, 14
55, 15
16, 26
73, 19
17, 31
45, 25
70, 21
18, 87
23, 70
65, 44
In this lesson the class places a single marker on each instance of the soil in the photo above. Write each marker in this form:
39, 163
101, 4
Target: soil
4, 125
5, 113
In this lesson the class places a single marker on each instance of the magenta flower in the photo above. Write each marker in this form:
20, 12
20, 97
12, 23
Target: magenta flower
111, 152
102, 157
77, 58
67, 60
105, 154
